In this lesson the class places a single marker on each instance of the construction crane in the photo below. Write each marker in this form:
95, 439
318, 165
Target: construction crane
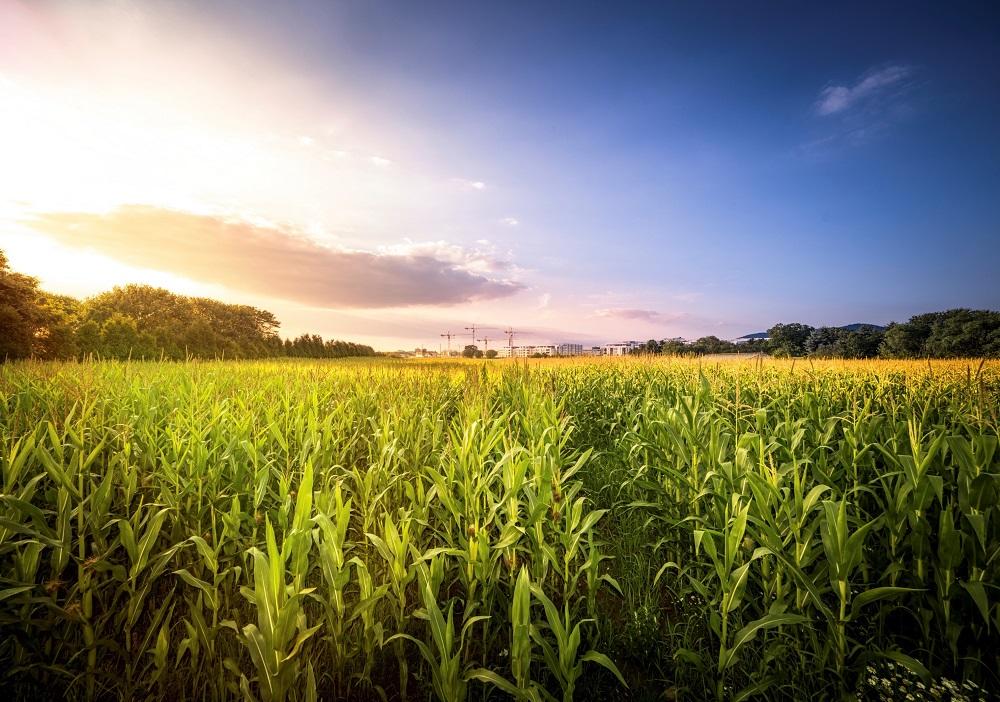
510, 341
448, 336
486, 344
473, 330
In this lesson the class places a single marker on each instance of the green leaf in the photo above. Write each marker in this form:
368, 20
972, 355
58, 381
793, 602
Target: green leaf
603, 660
750, 631
876, 594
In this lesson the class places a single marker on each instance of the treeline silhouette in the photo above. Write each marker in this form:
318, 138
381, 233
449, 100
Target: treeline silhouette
958, 333
143, 322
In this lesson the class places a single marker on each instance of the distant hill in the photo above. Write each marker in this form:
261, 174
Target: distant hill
857, 326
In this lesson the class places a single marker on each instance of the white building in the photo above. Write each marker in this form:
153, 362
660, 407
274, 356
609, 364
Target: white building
622, 348
527, 351
759, 336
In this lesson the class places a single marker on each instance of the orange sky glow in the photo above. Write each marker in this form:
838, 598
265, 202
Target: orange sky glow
141, 145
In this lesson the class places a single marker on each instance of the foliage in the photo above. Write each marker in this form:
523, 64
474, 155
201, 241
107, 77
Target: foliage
32, 323
954, 333
142, 322
839, 342
959, 333
789, 339
556, 530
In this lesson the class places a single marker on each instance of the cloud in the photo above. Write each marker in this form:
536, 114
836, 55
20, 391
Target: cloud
871, 85
484, 259
856, 114
510, 221
277, 262
631, 313
380, 162
469, 184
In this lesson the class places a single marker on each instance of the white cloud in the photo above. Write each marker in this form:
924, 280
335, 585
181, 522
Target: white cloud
510, 221
629, 313
483, 260
380, 162
839, 98
469, 184
306, 141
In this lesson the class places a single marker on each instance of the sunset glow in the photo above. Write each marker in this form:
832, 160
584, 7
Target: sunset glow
417, 202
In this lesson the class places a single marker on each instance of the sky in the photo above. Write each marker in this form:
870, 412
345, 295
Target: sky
385, 172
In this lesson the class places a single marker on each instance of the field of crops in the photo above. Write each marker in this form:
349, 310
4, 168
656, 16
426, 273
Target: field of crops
652, 530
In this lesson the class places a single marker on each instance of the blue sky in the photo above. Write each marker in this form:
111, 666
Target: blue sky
603, 170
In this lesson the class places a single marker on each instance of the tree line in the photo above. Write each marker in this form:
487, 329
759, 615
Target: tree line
958, 333
143, 322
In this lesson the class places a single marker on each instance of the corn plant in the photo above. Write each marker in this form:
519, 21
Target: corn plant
387, 529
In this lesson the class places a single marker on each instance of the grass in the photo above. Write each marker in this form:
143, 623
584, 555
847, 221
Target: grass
579, 529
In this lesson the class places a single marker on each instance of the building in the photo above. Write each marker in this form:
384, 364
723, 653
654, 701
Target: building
622, 348
527, 351
569, 350
758, 336
514, 351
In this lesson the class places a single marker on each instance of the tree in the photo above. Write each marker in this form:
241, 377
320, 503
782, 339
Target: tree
492, 353
88, 339
899, 342
672, 347
823, 341
470, 351
789, 339
862, 343
964, 333
837, 342
21, 313
56, 335
121, 339
710, 345
948, 334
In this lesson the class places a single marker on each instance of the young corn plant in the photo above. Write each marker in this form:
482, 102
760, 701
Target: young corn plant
563, 659
445, 652
731, 564
276, 639
400, 562
332, 547
523, 688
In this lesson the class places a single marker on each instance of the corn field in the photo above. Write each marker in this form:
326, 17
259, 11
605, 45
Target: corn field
554, 530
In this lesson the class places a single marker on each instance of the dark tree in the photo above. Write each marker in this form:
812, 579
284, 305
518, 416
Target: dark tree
21, 313
672, 347
789, 339
949, 334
